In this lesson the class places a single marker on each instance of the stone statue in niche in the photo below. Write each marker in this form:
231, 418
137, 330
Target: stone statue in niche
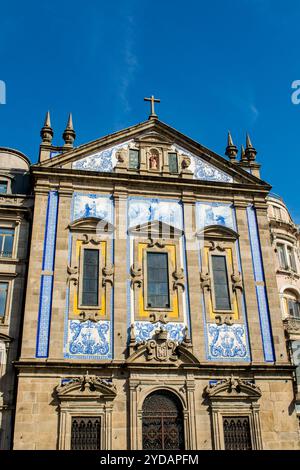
154, 160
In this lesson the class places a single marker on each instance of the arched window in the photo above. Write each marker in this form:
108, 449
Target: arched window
292, 303
162, 422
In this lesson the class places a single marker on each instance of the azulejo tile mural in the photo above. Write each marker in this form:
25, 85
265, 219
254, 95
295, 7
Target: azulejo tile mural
104, 161
88, 340
201, 169
227, 342
144, 330
213, 213
142, 210
92, 205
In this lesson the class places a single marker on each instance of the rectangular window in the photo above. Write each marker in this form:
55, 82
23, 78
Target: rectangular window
219, 269
6, 242
90, 278
3, 187
158, 280
282, 256
294, 308
291, 258
237, 434
173, 163
277, 212
134, 159
85, 433
3, 298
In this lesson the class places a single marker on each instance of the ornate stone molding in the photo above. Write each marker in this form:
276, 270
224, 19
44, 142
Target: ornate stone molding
72, 275
237, 282
292, 325
205, 281
178, 276
155, 317
92, 316
232, 387
108, 275
224, 319
136, 273
86, 238
86, 385
160, 348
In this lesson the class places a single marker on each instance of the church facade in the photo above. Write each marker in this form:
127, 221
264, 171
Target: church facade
152, 317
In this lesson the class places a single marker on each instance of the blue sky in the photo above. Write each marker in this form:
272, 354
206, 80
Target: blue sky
215, 65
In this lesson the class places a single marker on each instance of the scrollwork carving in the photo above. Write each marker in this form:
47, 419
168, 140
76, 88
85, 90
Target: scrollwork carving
108, 273
92, 316
85, 239
205, 281
224, 319
237, 282
136, 275
160, 348
216, 246
72, 275
178, 276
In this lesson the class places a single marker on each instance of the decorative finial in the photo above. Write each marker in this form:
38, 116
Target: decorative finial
243, 156
153, 100
47, 131
69, 133
250, 151
231, 149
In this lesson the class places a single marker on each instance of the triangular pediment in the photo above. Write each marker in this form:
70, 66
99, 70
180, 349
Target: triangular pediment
102, 155
156, 229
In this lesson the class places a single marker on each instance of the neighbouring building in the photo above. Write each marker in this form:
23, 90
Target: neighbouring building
285, 237
152, 317
15, 219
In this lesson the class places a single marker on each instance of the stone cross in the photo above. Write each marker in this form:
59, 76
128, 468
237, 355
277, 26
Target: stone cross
153, 100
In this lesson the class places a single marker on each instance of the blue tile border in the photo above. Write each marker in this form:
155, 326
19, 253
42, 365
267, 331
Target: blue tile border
261, 293
46, 287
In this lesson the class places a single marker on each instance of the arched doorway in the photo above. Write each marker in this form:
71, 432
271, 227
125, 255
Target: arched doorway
162, 420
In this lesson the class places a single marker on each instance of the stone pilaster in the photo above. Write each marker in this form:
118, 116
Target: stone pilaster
60, 274
255, 338
271, 283
120, 276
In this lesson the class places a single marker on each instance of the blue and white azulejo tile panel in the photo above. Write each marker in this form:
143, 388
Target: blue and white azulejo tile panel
142, 210
213, 213
88, 340
104, 161
201, 169
227, 342
92, 205
144, 330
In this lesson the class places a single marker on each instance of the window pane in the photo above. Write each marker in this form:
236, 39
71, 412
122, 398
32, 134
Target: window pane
90, 278
3, 187
281, 256
222, 299
6, 242
134, 160
173, 163
3, 297
158, 280
292, 261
